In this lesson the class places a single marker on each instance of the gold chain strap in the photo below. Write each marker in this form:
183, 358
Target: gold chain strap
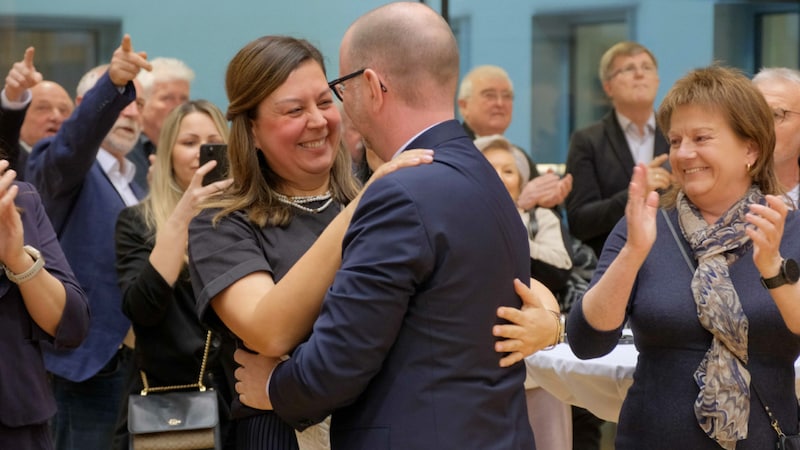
199, 385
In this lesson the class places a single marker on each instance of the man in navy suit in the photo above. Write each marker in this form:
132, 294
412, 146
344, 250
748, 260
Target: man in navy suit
402, 353
85, 181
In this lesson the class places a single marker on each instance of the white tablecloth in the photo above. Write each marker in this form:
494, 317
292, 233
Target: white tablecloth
598, 385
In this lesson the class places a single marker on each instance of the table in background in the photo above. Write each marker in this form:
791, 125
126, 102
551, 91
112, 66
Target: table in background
599, 384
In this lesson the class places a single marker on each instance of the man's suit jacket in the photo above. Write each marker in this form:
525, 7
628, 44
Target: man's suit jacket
83, 206
25, 393
10, 147
402, 352
601, 165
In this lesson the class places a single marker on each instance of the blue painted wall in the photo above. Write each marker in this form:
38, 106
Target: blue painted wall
206, 33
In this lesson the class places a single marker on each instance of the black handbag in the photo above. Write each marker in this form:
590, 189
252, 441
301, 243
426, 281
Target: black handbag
788, 442
784, 442
174, 418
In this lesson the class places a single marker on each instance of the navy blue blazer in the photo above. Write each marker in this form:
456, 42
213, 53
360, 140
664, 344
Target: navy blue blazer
601, 165
83, 206
25, 394
402, 352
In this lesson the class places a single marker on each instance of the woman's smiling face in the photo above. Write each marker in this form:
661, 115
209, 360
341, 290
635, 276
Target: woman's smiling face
297, 128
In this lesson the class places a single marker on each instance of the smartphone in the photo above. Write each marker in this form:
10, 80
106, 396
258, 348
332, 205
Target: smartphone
218, 153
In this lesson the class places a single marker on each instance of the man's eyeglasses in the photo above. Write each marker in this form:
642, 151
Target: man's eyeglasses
491, 95
780, 114
630, 69
337, 85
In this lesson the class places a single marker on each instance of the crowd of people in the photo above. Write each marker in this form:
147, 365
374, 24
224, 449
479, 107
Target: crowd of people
371, 273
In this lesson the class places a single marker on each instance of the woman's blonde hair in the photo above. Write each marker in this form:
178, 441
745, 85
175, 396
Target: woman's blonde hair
255, 72
165, 192
729, 92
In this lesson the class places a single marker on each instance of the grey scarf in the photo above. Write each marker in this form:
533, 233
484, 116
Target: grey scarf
723, 406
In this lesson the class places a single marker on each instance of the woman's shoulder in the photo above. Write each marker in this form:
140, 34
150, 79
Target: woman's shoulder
210, 219
28, 198
27, 192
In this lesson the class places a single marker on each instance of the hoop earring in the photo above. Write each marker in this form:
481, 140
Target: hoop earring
748, 167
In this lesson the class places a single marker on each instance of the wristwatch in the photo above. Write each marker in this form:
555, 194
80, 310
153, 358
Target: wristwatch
38, 263
789, 274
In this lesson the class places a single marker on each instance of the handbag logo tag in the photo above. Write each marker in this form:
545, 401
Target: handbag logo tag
173, 422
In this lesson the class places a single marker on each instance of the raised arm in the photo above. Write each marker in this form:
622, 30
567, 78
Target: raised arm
58, 166
44, 295
604, 303
769, 221
148, 271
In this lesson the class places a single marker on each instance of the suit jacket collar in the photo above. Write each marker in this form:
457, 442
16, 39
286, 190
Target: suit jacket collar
444, 131
619, 145
616, 140
470, 133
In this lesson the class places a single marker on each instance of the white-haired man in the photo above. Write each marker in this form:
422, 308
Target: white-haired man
163, 88
781, 88
486, 102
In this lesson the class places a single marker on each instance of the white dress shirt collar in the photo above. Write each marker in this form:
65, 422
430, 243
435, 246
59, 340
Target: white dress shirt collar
121, 179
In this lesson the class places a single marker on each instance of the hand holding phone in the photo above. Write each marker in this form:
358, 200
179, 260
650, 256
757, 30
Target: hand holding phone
218, 153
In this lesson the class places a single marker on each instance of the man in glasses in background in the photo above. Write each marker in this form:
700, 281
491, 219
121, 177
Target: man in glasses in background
486, 102
781, 88
601, 159
611, 147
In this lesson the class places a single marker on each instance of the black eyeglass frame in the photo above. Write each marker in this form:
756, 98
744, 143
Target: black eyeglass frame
332, 85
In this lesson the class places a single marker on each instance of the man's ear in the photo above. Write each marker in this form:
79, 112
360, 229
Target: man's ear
375, 90
607, 88
462, 105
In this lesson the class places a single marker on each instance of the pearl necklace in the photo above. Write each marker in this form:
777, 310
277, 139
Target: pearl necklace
299, 202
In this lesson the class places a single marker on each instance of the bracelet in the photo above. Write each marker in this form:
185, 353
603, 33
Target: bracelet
38, 264
559, 331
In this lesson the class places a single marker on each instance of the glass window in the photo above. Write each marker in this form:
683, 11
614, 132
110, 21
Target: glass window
566, 93
65, 50
589, 101
779, 36
753, 35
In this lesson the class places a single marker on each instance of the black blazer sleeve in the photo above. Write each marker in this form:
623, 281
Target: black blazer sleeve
145, 294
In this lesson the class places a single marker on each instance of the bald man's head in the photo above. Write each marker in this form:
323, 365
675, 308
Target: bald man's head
50, 106
409, 43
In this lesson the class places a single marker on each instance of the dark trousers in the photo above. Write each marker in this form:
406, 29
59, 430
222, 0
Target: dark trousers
585, 429
87, 411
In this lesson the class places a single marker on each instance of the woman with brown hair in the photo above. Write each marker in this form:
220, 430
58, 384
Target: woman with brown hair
292, 179
708, 284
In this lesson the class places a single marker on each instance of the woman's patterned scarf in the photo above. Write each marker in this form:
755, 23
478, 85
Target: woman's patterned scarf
723, 406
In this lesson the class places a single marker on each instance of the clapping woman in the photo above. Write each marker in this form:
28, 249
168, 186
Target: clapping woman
41, 304
716, 344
